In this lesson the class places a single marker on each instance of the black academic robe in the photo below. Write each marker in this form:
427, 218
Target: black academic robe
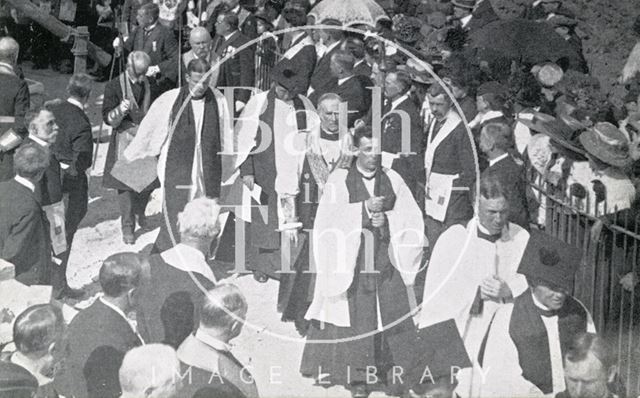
24, 233
112, 97
14, 103
170, 303
345, 361
513, 178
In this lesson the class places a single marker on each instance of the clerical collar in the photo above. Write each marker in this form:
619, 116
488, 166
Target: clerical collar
543, 309
499, 158
211, 341
367, 175
398, 101
483, 233
329, 136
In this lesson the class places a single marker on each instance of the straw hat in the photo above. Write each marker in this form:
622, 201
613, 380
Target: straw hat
605, 142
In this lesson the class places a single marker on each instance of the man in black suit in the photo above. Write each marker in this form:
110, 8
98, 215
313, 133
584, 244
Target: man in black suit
402, 132
170, 301
160, 44
247, 22
449, 165
238, 70
14, 102
74, 149
206, 354
99, 336
496, 141
356, 47
24, 229
331, 38
352, 88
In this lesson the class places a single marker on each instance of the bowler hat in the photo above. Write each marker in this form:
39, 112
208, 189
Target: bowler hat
607, 143
549, 261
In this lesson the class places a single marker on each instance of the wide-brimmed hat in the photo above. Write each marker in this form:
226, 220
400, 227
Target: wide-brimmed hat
468, 4
605, 142
417, 72
556, 129
550, 261
407, 29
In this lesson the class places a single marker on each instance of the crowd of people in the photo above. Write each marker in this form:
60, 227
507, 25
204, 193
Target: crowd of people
381, 172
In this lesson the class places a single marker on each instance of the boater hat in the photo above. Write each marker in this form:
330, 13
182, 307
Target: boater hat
605, 142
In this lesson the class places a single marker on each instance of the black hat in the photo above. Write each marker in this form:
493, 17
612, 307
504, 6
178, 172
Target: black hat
492, 87
286, 75
551, 261
14, 378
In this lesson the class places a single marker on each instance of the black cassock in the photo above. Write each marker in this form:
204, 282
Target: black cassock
346, 362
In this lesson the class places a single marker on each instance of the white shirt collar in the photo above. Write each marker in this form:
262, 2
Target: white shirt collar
344, 79
226, 37
330, 47
398, 101
491, 115
188, 259
499, 158
539, 304
75, 102
39, 141
18, 359
6, 65
236, 10
150, 27
465, 20
23, 181
212, 341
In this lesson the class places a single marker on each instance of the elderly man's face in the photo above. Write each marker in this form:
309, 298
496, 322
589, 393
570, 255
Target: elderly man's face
45, 127
282, 93
392, 87
587, 378
493, 214
330, 115
439, 105
552, 298
137, 70
201, 44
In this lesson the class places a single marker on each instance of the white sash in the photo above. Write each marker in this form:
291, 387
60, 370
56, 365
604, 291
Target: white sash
452, 122
295, 49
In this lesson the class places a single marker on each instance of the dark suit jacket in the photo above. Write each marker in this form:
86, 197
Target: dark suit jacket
24, 233
322, 76
238, 71
164, 53
453, 156
512, 175
92, 352
363, 69
170, 303
303, 62
208, 363
49, 189
354, 92
14, 102
410, 167
74, 145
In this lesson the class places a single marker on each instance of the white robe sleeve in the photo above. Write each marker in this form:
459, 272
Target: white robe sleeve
154, 128
501, 366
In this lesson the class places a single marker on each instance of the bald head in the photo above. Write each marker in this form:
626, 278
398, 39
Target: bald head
9, 49
137, 64
200, 41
